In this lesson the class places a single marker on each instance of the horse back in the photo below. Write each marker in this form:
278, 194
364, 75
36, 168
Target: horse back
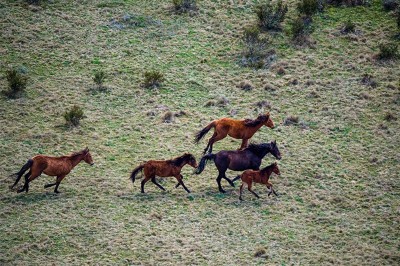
237, 160
160, 168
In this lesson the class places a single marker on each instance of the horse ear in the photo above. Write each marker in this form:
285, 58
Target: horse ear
274, 141
275, 163
86, 150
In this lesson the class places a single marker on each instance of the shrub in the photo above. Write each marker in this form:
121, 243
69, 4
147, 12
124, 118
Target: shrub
348, 2
245, 85
99, 78
33, 2
269, 16
184, 5
16, 83
255, 53
308, 7
389, 5
291, 120
398, 19
168, 117
74, 116
348, 27
153, 79
388, 51
300, 30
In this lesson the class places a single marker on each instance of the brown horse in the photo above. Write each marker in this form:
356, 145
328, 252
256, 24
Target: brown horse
52, 166
165, 168
260, 176
238, 129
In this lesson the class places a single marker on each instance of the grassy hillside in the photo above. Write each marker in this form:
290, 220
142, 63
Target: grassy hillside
339, 185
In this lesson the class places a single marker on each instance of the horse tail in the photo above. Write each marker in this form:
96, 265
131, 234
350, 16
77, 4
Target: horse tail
203, 162
201, 133
236, 178
25, 167
136, 171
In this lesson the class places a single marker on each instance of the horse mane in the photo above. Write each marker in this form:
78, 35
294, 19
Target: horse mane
179, 160
74, 154
255, 122
258, 149
265, 169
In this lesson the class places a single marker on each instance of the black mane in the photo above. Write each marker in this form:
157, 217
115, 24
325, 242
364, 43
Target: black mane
259, 149
255, 122
181, 159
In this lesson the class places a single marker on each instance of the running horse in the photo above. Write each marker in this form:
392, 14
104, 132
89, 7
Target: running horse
52, 166
239, 160
238, 129
164, 168
261, 177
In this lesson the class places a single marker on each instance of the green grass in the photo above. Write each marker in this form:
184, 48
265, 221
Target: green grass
339, 188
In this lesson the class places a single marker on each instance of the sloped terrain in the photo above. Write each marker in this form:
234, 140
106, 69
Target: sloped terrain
339, 186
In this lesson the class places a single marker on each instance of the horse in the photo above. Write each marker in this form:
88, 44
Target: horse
51, 166
238, 129
261, 177
164, 168
239, 160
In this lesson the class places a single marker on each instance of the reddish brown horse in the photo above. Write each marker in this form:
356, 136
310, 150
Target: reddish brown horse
238, 129
52, 166
166, 168
260, 176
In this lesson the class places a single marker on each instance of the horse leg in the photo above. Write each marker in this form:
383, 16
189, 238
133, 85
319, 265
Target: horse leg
28, 178
58, 181
153, 179
210, 143
249, 188
219, 177
244, 145
18, 178
180, 180
241, 191
144, 181
216, 138
229, 181
269, 186
50, 185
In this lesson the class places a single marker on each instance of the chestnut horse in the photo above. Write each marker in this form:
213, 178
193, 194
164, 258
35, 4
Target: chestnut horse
238, 129
249, 158
165, 168
52, 166
261, 177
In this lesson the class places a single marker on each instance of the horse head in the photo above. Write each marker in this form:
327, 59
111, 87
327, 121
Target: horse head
267, 121
87, 156
275, 151
275, 169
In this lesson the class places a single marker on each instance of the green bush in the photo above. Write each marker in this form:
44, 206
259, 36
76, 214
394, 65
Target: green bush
16, 83
184, 5
348, 27
270, 16
153, 79
99, 78
389, 5
388, 51
348, 2
255, 53
308, 7
300, 30
74, 116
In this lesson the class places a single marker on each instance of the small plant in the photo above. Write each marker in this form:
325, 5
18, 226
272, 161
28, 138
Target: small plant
389, 116
16, 83
389, 5
74, 116
168, 117
153, 79
348, 27
184, 5
348, 2
270, 16
99, 78
388, 51
308, 7
291, 120
300, 31
33, 2
245, 85
255, 53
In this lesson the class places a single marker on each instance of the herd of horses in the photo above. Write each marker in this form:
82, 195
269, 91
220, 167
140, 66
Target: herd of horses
247, 158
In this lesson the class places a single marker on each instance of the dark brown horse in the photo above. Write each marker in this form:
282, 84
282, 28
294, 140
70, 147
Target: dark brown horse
260, 176
238, 129
52, 166
166, 168
239, 160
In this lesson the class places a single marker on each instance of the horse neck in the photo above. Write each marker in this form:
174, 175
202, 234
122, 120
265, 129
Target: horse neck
265, 151
266, 173
76, 159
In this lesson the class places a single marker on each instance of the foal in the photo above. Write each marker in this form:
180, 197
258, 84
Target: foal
261, 177
52, 166
166, 168
238, 129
